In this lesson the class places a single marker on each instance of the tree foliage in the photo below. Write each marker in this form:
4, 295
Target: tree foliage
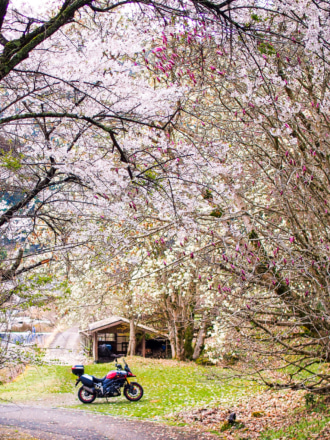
175, 155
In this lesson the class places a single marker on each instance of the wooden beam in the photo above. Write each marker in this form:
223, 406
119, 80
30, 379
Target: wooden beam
108, 326
125, 327
144, 345
95, 347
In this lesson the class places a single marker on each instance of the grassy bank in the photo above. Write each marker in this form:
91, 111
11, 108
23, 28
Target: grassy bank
303, 430
172, 391
305, 424
169, 387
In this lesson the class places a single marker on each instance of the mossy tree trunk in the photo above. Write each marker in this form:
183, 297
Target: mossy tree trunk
188, 339
199, 345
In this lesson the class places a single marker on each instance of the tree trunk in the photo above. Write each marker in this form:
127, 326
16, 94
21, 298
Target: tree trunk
172, 341
188, 319
179, 341
188, 338
132, 338
200, 339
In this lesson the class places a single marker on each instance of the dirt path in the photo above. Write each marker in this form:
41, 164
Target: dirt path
64, 348
65, 424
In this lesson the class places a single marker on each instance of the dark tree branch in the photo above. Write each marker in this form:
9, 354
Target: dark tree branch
16, 51
3, 11
33, 266
10, 273
6, 217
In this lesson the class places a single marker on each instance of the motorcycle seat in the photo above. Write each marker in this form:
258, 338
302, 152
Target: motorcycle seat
97, 380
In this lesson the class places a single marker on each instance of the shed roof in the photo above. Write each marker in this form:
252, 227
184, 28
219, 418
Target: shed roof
112, 321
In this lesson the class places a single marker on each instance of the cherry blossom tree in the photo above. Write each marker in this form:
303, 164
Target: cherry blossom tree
123, 138
85, 142
76, 122
264, 100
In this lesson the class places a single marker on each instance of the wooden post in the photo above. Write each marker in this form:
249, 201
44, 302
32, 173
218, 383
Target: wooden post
144, 345
132, 339
95, 347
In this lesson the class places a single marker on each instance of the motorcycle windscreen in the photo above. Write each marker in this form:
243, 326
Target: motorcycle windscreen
87, 380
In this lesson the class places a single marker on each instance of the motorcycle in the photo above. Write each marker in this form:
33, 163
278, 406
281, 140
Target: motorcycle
108, 386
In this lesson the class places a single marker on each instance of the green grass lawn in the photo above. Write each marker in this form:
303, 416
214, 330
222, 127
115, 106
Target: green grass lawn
169, 387
302, 430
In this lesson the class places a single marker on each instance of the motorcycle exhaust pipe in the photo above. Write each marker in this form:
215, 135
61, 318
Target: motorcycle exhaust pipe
90, 390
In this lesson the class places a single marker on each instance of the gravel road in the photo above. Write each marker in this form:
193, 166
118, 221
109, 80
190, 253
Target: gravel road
64, 347
66, 424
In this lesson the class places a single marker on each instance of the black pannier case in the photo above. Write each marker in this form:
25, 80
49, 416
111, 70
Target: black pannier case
78, 370
87, 380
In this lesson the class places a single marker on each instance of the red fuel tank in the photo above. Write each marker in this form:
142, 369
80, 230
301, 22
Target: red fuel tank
115, 373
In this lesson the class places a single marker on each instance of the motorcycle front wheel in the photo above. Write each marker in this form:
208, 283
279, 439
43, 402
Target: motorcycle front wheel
85, 397
133, 392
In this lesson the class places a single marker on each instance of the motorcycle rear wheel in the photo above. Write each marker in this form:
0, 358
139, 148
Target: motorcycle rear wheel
85, 397
133, 392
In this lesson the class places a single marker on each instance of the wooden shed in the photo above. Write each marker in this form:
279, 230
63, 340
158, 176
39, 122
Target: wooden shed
114, 331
